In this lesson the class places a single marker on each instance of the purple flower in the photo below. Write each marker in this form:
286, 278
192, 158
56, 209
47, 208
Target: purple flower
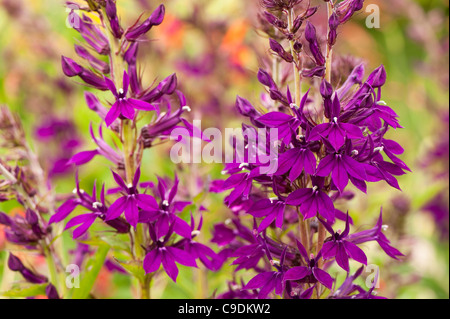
271, 210
131, 201
200, 251
124, 106
335, 131
375, 234
342, 167
270, 280
311, 272
341, 249
295, 160
164, 214
97, 209
167, 256
312, 201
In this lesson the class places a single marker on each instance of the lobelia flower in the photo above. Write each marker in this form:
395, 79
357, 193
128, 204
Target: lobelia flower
102, 149
341, 249
313, 201
98, 210
124, 107
271, 280
311, 272
343, 167
271, 209
375, 234
166, 255
199, 251
335, 131
164, 214
131, 201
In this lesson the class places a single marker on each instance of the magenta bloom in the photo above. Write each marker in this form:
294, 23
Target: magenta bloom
312, 201
131, 202
311, 272
167, 256
340, 248
335, 131
124, 106
271, 210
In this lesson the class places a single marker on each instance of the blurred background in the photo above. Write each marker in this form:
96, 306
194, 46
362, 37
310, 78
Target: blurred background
216, 50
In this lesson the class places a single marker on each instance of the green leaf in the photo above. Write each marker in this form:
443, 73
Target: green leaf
25, 290
93, 268
134, 268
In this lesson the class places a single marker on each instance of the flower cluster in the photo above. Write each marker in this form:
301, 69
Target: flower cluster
329, 137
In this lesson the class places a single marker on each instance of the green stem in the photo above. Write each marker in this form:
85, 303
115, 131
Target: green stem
51, 267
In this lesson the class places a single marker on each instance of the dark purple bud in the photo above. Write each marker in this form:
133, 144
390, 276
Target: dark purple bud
318, 71
326, 90
5, 219
298, 46
111, 13
378, 77
278, 49
169, 85
297, 24
310, 32
310, 36
131, 55
155, 19
97, 64
120, 225
245, 108
273, 20
276, 95
70, 67
333, 24
32, 277
310, 12
14, 263
51, 292
93, 80
265, 79
31, 217
111, 9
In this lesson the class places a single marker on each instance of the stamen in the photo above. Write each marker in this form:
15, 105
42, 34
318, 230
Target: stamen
97, 205
385, 227
381, 102
120, 91
165, 202
294, 106
243, 165
195, 233
186, 108
379, 149
274, 262
335, 119
355, 152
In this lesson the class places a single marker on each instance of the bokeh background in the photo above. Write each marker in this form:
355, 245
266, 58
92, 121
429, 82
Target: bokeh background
215, 48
